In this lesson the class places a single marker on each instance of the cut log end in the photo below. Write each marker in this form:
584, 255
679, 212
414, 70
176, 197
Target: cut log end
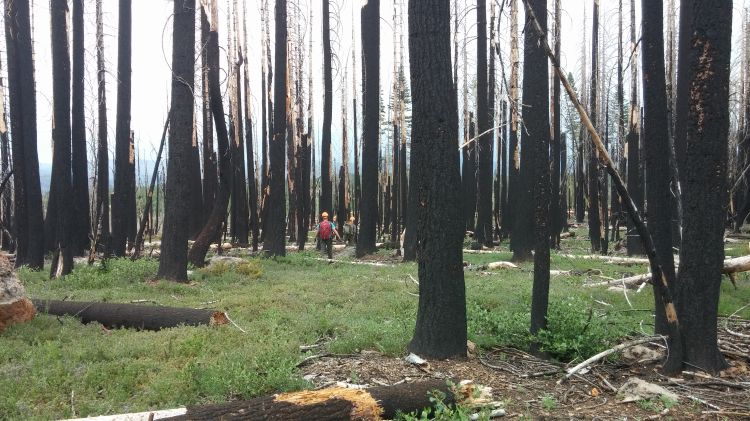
16, 312
218, 318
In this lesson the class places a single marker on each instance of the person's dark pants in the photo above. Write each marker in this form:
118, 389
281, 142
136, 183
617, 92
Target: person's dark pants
329, 247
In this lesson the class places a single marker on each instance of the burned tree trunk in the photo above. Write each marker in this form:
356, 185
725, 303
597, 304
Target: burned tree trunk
62, 184
27, 192
124, 189
217, 219
136, 316
657, 146
635, 186
274, 243
705, 43
468, 176
81, 218
483, 229
555, 149
440, 330
371, 110
326, 194
210, 180
593, 169
102, 148
252, 180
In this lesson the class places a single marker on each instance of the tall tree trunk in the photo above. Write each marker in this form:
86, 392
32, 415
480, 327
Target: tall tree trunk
440, 330
27, 192
249, 143
275, 241
514, 152
102, 148
593, 169
62, 187
483, 229
535, 138
81, 218
6, 198
635, 185
210, 180
371, 111
124, 188
620, 119
326, 195
705, 43
212, 230
555, 150
657, 146
174, 248
355, 140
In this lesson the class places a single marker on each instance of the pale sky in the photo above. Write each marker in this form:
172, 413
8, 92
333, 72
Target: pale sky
152, 32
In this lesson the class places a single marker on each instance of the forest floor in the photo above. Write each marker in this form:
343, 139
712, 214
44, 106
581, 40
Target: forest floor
361, 318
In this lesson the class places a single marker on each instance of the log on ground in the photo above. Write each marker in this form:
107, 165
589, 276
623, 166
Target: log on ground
142, 317
334, 403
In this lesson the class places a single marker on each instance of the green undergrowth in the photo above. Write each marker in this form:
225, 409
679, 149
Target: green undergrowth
56, 367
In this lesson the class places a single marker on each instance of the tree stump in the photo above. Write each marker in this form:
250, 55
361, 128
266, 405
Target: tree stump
14, 306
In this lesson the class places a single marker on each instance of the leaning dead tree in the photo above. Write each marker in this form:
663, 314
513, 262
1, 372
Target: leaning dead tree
663, 285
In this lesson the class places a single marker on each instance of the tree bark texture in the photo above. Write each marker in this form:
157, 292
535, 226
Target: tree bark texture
173, 260
274, 243
27, 192
656, 139
370, 16
136, 316
61, 187
124, 188
81, 218
102, 146
440, 330
703, 177
326, 194
483, 229
216, 220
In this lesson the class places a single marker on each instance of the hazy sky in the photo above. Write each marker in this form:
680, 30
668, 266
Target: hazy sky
152, 33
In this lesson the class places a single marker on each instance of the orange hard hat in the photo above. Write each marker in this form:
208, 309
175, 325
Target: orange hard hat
324, 214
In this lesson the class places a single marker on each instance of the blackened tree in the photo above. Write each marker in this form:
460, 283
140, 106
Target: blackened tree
705, 43
102, 148
81, 218
483, 229
441, 317
274, 243
177, 200
123, 205
657, 146
326, 194
27, 191
371, 111
62, 182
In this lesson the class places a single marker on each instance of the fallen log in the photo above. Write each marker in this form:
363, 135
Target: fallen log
731, 267
499, 265
335, 403
610, 259
14, 306
142, 317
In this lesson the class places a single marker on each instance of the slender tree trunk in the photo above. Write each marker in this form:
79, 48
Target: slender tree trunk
593, 169
657, 146
326, 194
469, 176
371, 109
210, 180
514, 150
62, 262
275, 241
483, 229
81, 218
102, 151
535, 139
555, 150
440, 330
212, 230
177, 199
705, 43
27, 192
124, 188
249, 143
635, 186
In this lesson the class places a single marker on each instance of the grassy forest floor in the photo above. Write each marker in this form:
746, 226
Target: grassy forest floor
363, 317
